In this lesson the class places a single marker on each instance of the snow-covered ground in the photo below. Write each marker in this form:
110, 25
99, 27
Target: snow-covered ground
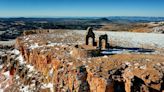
136, 39
132, 39
9, 43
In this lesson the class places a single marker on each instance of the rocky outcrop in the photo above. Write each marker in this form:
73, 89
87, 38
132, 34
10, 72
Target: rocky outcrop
61, 67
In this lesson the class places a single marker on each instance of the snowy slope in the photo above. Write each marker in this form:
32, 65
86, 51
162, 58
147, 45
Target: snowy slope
132, 39
136, 39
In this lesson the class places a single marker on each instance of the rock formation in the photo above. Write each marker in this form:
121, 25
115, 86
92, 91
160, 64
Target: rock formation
53, 60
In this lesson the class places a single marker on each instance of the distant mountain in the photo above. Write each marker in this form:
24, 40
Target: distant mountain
91, 19
81, 23
135, 19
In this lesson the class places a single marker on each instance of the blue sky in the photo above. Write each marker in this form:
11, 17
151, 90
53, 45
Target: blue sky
98, 8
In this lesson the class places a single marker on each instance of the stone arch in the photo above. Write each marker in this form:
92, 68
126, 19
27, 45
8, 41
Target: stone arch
87, 40
103, 37
90, 34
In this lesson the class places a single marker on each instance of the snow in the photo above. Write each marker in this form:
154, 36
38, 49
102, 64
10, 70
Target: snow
105, 56
49, 85
27, 38
133, 39
55, 44
20, 57
17, 77
15, 51
31, 68
143, 67
61, 69
1, 66
112, 52
51, 72
21, 60
33, 46
136, 64
2, 53
71, 63
84, 62
57, 48
24, 89
30, 75
7, 74
158, 64
71, 52
127, 63
1, 90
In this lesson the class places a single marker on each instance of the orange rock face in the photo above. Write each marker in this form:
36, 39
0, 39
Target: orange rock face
114, 73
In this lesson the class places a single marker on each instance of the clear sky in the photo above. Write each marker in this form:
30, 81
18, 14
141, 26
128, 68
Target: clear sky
61, 8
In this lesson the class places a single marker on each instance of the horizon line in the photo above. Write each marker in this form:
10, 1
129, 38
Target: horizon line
72, 16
